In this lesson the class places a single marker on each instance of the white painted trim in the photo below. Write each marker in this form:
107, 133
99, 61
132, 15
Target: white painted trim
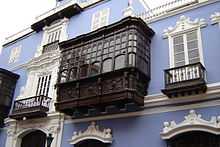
215, 18
92, 132
183, 26
192, 122
53, 124
17, 35
61, 25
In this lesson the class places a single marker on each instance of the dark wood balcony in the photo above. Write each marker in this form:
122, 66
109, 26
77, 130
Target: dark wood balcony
8, 82
185, 80
50, 47
105, 71
32, 107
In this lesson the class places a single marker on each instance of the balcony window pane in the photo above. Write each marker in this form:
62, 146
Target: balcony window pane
95, 68
120, 62
84, 70
107, 65
131, 59
73, 74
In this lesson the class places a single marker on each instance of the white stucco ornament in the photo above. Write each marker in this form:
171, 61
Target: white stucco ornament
92, 132
192, 122
215, 18
183, 24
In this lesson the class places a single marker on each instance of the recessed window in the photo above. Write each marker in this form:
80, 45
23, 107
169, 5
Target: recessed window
15, 54
95, 68
43, 85
120, 62
185, 41
100, 19
107, 65
186, 49
53, 36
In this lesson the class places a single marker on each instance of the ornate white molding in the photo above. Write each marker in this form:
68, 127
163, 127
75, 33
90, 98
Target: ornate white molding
192, 122
17, 129
215, 18
184, 24
92, 132
45, 60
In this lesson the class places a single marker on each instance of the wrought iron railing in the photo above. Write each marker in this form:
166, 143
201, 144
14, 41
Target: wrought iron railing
36, 101
184, 73
50, 47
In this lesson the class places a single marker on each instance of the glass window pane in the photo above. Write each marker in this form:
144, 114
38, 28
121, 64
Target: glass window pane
178, 48
192, 44
179, 57
178, 40
191, 36
131, 59
195, 60
193, 54
179, 64
107, 65
95, 68
120, 62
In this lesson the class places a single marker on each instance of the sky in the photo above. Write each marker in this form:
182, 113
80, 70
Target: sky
17, 15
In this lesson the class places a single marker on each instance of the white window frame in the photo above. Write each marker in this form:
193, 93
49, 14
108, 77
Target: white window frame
184, 26
98, 20
15, 54
61, 25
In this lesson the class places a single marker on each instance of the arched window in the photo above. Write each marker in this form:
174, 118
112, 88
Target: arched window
91, 143
119, 62
63, 76
95, 68
195, 139
107, 65
84, 70
131, 59
73, 74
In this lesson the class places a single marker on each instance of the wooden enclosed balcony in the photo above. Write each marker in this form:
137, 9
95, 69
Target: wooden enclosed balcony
185, 80
105, 71
8, 82
32, 107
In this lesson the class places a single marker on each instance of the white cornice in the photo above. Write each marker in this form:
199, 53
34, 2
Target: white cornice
215, 18
92, 132
184, 24
192, 122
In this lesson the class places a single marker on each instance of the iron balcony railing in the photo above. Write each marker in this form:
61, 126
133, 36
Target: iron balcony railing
32, 102
185, 73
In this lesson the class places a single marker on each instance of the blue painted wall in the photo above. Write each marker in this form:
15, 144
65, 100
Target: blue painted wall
160, 46
29, 47
142, 130
3, 136
81, 24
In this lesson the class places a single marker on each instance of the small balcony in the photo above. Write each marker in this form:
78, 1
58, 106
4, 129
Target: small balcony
185, 80
50, 47
32, 107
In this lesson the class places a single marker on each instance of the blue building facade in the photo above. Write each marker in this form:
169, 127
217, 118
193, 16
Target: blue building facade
179, 106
